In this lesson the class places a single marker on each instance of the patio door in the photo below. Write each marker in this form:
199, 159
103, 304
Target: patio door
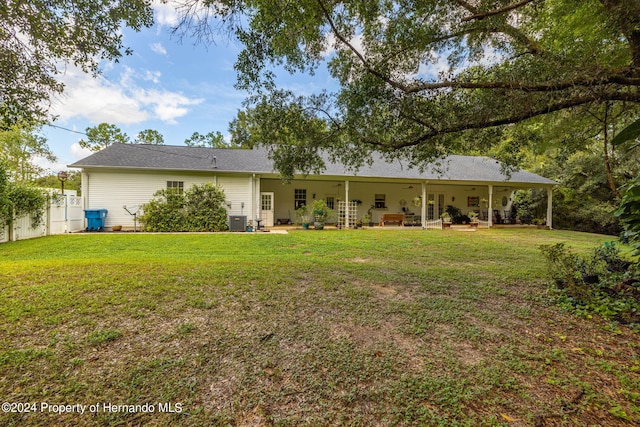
266, 209
435, 205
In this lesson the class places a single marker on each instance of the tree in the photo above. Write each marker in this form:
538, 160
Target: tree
103, 135
290, 123
149, 136
211, 140
39, 38
73, 182
20, 146
417, 79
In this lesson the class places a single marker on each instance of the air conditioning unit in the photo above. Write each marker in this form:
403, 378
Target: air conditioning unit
238, 223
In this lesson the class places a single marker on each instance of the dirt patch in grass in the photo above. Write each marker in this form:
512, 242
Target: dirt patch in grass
263, 339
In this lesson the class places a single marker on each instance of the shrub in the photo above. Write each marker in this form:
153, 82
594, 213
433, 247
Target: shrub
199, 208
604, 283
629, 214
18, 199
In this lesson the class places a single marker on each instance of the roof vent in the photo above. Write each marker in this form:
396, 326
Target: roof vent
215, 162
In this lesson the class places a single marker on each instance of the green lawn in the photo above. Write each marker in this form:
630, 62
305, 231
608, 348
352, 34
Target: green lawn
362, 327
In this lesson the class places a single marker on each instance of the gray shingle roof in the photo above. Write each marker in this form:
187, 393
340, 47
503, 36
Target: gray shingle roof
183, 158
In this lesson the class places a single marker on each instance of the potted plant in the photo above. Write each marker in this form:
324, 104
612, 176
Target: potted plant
369, 215
366, 219
320, 212
473, 218
539, 223
304, 216
446, 219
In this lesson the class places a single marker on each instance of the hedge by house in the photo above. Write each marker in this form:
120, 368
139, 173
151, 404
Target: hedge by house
199, 208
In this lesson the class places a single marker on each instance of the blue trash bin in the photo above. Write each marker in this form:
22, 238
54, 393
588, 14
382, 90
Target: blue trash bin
95, 219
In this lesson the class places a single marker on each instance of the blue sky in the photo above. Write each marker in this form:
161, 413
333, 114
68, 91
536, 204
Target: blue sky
172, 86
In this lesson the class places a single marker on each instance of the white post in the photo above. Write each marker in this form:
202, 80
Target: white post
550, 207
257, 198
490, 213
346, 202
423, 208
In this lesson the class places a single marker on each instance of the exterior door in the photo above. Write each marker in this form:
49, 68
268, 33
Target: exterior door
435, 206
266, 209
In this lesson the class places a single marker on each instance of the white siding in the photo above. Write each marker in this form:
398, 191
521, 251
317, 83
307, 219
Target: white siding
112, 190
238, 192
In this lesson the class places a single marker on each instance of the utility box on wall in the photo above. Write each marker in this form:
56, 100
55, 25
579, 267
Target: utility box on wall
237, 223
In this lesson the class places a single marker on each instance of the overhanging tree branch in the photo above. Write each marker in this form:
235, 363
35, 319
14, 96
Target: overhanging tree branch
483, 15
507, 120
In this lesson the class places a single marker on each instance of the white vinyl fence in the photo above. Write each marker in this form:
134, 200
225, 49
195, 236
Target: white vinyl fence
64, 214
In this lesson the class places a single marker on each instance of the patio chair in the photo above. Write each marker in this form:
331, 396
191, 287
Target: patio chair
507, 217
497, 219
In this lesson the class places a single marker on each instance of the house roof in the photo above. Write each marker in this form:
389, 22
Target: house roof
201, 159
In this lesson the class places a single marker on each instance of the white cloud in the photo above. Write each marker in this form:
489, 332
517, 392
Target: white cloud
165, 13
158, 48
167, 106
77, 152
123, 103
152, 76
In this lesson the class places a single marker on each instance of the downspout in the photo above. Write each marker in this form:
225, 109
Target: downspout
84, 185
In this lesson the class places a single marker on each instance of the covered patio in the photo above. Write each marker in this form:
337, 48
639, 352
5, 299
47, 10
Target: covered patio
420, 203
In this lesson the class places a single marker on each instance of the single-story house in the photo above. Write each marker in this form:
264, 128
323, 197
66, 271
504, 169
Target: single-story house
127, 175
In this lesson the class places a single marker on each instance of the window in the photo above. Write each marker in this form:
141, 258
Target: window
330, 201
380, 201
266, 200
177, 186
299, 198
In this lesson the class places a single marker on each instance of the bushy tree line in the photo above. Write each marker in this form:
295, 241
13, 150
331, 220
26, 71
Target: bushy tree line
199, 208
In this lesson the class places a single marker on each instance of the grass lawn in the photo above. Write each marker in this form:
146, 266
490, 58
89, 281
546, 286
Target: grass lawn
363, 327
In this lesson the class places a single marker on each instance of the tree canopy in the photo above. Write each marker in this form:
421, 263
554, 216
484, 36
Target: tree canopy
39, 38
420, 78
20, 147
103, 135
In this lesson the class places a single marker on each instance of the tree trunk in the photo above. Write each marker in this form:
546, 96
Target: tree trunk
626, 14
607, 159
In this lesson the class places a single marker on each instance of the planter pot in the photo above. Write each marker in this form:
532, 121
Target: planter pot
318, 225
117, 228
473, 224
305, 226
446, 225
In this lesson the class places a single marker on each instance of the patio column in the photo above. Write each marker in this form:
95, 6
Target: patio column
256, 197
346, 211
423, 208
490, 212
550, 207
